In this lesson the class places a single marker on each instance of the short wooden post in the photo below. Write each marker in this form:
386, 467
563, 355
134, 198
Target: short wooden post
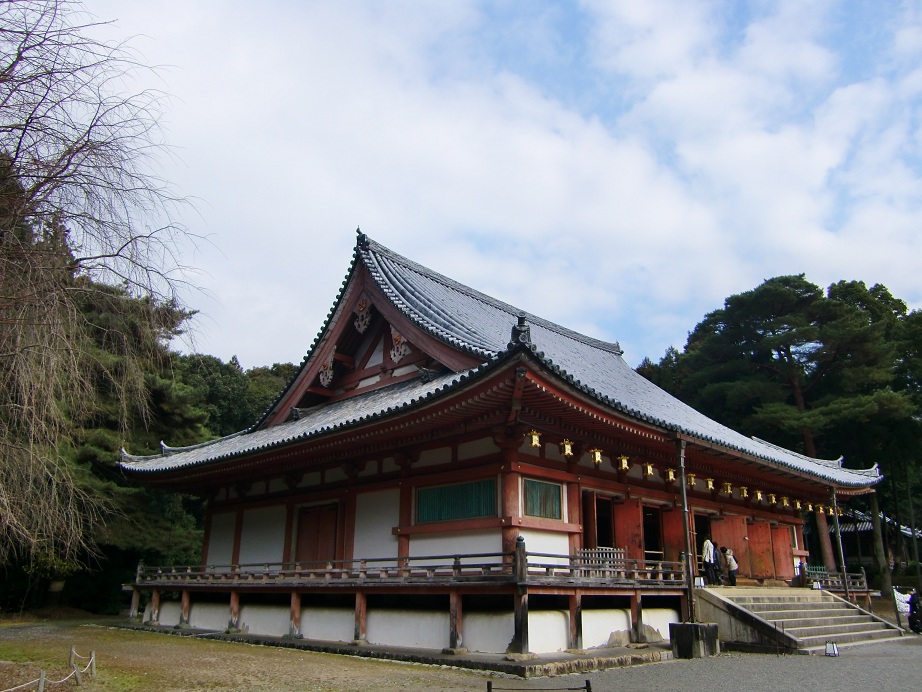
41, 681
233, 622
93, 663
185, 609
521, 560
576, 621
294, 620
78, 676
71, 657
361, 616
154, 607
135, 602
637, 618
455, 621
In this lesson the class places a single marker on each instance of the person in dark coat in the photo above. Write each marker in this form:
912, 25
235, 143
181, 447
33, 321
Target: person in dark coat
915, 617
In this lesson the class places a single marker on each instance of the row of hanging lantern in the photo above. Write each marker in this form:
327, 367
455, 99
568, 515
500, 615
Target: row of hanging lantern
622, 464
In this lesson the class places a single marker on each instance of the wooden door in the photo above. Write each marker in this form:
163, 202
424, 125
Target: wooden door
316, 534
761, 555
629, 527
673, 533
731, 531
782, 544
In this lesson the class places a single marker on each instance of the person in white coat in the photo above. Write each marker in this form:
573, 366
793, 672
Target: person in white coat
710, 561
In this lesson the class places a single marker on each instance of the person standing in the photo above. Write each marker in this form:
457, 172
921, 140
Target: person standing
732, 565
709, 560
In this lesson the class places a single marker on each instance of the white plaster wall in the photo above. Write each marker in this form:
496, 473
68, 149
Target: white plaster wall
209, 616
659, 619
221, 539
457, 544
389, 465
375, 515
599, 624
309, 480
548, 631
328, 624
263, 619
434, 457
262, 537
552, 542
334, 475
427, 629
169, 613
477, 448
488, 632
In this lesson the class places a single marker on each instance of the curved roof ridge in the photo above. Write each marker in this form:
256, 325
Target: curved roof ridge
832, 463
372, 246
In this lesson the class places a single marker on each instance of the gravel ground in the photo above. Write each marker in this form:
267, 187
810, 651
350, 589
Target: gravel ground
130, 660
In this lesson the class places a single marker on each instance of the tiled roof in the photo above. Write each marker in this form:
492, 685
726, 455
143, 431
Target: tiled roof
480, 325
322, 419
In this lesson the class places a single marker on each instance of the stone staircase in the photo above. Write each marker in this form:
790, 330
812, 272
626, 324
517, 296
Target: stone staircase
787, 619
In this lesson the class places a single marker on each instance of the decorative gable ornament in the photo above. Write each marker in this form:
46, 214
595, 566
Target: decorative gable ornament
362, 315
400, 348
326, 370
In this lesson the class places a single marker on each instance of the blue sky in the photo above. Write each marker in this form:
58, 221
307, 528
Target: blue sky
618, 167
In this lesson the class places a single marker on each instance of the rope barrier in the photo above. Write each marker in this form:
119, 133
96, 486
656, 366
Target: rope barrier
42, 682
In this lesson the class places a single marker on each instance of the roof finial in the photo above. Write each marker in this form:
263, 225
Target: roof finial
361, 239
521, 332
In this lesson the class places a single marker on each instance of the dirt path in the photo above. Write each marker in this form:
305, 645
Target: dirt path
130, 660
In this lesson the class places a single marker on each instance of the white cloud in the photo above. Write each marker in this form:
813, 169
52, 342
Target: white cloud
673, 154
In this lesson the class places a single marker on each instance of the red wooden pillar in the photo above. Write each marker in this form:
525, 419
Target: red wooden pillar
405, 516
361, 616
574, 514
238, 532
294, 618
511, 501
289, 531
233, 623
590, 520
629, 527
576, 621
822, 528
184, 608
455, 621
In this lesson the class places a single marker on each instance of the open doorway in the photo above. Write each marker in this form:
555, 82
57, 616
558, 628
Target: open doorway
652, 533
702, 530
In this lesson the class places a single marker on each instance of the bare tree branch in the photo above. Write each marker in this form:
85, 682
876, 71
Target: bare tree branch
80, 206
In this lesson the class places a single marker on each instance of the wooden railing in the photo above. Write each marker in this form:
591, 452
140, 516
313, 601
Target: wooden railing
835, 581
590, 567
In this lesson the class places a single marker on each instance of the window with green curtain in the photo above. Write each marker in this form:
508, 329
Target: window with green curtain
457, 501
542, 499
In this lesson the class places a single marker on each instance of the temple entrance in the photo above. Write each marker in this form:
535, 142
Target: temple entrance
701, 529
317, 534
652, 533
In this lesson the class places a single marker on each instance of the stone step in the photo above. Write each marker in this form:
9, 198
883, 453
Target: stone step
791, 623
793, 600
791, 605
804, 633
846, 638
